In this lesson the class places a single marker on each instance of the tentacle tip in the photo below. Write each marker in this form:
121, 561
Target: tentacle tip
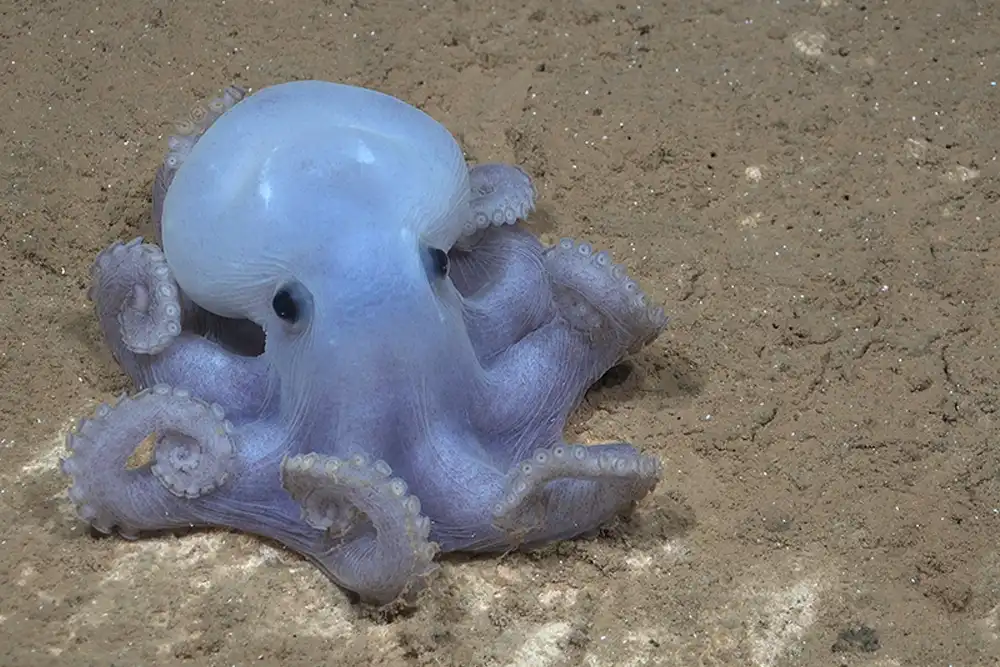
99, 529
148, 350
429, 552
128, 533
234, 93
67, 466
602, 294
84, 511
651, 467
191, 473
136, 276
102, 526
76, 494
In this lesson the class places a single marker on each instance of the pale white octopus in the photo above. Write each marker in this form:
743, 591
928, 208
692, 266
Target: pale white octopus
351, 345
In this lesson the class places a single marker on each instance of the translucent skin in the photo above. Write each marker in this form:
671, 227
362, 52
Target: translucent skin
349, 344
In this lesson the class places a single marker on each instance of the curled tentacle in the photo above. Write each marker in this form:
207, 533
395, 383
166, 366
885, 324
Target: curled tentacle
597, 297
190, 130
190, 465
505, 286
378, 537
598, 482
502, 194
180, 144
132, 285
193, 455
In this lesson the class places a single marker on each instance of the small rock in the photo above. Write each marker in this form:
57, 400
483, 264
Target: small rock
856, 638
809, 44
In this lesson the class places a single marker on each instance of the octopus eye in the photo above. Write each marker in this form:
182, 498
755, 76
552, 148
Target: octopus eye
439, 262
293, 304
284, 306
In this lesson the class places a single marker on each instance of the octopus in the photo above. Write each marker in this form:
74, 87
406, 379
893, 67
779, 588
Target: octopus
350, 342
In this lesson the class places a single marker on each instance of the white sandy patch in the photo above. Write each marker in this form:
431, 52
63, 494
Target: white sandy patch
961, 174
543, 646
675, 551
312, 607
560, 597
989, 626
764, 620
54, 448
200, 559
669, 553
759, 624
199, 565
141, 557
809, 44
638, 648
480, 595
779, 617
639, 560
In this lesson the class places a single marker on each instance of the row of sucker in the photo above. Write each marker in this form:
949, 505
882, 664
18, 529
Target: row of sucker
606, 287
193, 455
527, 480
502, 194
136, 277
191, 129
337, 494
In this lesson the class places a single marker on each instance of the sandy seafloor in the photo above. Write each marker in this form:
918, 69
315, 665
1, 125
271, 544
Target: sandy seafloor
809, 188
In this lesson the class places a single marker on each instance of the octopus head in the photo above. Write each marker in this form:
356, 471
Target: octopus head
323, 213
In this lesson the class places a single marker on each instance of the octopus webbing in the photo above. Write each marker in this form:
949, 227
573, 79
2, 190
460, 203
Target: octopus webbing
349, 342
